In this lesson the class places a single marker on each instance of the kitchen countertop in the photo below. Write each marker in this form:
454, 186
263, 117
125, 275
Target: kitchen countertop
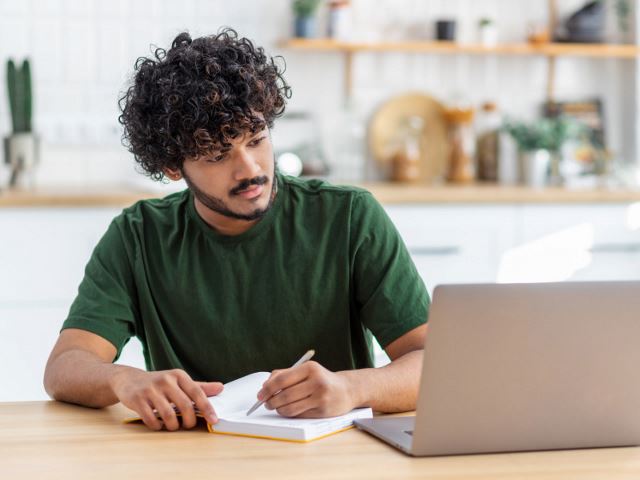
386, 193
73, 197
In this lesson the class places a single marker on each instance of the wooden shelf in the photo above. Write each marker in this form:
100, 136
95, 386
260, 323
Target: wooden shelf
73, 197
478, 193
384, 192
551, 51
525, 49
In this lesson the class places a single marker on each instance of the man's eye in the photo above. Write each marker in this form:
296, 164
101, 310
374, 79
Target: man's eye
256, 142
217, 158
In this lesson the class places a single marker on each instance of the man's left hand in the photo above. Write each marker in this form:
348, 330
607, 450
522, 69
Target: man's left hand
308, 391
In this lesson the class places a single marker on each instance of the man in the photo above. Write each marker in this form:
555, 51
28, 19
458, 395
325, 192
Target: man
243, 271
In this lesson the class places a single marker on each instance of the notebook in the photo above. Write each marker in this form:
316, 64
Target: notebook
238, 396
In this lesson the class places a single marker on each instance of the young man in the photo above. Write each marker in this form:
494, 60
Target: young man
243, 271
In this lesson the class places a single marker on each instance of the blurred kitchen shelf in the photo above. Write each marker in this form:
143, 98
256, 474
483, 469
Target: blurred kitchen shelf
385, 192
542, 49
477, 193
551, 51
72, 197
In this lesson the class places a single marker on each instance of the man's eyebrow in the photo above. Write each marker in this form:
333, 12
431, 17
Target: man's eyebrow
217, 149
220, 149
213, 152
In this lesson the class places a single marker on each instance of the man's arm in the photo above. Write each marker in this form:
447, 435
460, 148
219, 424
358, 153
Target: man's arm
310, 390
394, 387
80, 370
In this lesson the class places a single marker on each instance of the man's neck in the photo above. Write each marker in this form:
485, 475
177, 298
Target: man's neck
222, 224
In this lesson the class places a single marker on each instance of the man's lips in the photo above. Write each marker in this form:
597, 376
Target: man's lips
251, 192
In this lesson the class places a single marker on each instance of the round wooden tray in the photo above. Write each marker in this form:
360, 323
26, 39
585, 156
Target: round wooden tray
388, 123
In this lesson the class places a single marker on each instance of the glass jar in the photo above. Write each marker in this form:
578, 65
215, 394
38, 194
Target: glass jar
405, 163
461, 168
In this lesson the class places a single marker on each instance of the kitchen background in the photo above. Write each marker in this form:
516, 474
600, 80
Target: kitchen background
388, 110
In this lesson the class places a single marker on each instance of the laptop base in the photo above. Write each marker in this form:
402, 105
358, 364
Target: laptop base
397, 431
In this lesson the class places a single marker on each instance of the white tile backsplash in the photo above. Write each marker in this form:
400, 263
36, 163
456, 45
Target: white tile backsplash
78, 8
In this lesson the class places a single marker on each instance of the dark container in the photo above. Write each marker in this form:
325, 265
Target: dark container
446, 30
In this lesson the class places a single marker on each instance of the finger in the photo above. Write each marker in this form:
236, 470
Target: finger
165, 410
284, 379
289, 395
299, 408
198, 395
274, 373
210, 389
184, 405
148, 417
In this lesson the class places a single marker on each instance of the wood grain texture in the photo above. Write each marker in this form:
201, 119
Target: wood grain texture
59, 441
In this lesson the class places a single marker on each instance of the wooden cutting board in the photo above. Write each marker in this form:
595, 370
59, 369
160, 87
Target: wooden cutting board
389, 122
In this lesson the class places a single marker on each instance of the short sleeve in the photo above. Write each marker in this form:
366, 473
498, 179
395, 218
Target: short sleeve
105, 304
389, 293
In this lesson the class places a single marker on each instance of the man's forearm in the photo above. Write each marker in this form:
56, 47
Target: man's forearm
78, 376
392, 388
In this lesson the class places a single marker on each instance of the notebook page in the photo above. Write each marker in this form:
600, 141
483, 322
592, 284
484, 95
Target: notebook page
239, 395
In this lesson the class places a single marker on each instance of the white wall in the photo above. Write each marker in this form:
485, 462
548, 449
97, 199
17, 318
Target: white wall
83, 52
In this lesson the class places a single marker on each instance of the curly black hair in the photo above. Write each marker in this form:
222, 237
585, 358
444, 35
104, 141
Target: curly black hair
194, 98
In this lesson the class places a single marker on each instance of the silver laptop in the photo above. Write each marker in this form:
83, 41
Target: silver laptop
525, 367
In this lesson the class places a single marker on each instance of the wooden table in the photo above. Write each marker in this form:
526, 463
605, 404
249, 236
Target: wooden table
50, 440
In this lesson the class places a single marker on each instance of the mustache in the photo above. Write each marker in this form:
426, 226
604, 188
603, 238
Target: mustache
248, 183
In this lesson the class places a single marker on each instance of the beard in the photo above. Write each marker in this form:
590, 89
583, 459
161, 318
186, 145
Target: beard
219, 206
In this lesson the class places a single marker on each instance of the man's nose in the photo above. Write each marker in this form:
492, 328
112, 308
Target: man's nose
246, 166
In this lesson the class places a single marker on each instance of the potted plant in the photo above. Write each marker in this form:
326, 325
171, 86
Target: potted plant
539, 144
304, 11
623, 16
21, 146
488, 32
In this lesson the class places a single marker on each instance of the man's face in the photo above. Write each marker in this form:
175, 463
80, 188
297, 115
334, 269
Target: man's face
237, 182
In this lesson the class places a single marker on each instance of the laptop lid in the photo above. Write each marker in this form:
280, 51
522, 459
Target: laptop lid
530, 367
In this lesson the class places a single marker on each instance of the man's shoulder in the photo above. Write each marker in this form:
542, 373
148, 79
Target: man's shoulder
154, 210
315, 187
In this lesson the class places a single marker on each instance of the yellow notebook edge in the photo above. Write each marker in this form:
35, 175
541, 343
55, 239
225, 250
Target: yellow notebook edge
279, 439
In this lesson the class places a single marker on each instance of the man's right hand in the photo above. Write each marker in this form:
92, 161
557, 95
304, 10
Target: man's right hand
143, 392
80, 370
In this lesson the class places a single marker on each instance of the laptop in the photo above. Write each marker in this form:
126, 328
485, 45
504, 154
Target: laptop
521, 367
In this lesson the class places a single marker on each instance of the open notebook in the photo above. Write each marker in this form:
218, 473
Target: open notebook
238, 396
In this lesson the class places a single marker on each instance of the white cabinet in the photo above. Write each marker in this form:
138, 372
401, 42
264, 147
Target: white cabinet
453, 244
43, 252
581, 242
521, 243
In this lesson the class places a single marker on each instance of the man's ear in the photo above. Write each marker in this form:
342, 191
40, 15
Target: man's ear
172, 174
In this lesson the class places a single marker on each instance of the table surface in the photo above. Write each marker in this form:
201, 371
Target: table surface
55, 440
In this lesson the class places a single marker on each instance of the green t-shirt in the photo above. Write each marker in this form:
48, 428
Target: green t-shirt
322, 269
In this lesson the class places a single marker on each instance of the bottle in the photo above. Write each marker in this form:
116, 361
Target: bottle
461, 167
339, 24
488, 143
